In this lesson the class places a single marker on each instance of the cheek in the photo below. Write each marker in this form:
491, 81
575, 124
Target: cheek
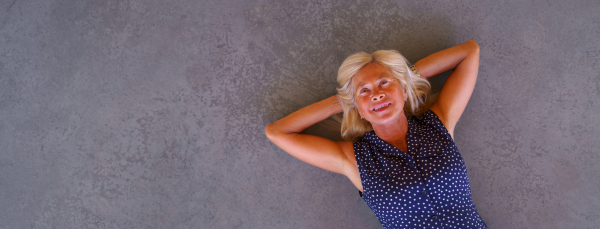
363, 104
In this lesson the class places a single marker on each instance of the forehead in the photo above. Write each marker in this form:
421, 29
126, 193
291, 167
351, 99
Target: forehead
371, 73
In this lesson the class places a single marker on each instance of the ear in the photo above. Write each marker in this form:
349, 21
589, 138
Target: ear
358, 112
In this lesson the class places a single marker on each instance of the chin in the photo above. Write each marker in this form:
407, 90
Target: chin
387, 119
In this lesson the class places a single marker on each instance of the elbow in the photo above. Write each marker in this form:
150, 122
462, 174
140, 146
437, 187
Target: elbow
473, 45
271, 131
275, 132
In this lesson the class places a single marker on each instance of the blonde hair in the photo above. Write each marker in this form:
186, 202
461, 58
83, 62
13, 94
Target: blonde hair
353, 127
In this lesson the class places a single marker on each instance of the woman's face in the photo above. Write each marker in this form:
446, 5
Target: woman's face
379, 96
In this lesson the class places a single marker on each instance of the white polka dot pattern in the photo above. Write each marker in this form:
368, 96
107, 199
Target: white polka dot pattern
427, 187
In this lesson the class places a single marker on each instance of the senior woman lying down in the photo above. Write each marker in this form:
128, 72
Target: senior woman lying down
399, 153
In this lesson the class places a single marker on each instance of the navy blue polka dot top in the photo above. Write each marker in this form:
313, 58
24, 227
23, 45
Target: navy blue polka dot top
426, 187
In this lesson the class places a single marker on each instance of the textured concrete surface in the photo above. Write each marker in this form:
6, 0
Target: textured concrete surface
150, 114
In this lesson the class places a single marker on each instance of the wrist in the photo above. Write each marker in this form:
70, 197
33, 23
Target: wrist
335, 106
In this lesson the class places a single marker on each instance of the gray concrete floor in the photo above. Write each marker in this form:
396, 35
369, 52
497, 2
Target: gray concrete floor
150, 114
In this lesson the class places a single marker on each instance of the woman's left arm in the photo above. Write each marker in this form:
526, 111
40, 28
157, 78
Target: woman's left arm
463, 59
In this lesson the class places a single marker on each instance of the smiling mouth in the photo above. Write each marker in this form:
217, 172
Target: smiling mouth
381, 106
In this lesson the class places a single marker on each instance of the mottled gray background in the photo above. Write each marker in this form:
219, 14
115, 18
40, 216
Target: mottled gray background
146, 114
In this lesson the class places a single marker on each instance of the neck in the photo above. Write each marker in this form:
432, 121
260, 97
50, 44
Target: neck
393, 133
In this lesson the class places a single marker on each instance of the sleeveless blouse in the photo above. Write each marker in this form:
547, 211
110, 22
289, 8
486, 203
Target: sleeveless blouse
426, 187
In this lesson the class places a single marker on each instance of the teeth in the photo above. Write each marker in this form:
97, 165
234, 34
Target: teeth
382, 106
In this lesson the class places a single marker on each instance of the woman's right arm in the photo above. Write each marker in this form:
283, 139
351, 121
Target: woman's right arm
337, 157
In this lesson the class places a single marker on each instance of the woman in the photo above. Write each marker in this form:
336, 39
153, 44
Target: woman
402, 159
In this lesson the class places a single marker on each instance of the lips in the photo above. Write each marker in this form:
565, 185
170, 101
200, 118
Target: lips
381, 106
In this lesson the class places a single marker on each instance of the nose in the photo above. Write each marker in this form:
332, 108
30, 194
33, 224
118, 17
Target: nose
378, 97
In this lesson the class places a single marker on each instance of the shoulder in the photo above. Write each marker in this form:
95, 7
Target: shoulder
429, 123
429, 116
370, 138
432, 119
366, 144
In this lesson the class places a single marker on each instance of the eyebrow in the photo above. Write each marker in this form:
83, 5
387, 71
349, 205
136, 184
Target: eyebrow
381, 77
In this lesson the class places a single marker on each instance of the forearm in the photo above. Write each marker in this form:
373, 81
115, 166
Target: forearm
446, 59
300, 120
